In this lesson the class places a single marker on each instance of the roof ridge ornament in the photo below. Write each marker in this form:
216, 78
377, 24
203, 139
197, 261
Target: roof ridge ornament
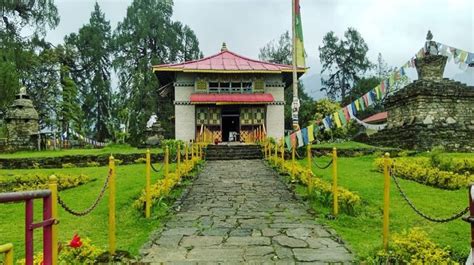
224, 47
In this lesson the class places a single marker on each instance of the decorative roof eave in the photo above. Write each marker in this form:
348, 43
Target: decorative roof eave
169, 69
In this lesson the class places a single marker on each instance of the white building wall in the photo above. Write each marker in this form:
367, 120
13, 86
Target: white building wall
185, 121
275, 121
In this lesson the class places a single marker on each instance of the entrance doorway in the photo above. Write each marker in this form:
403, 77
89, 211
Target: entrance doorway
231, 124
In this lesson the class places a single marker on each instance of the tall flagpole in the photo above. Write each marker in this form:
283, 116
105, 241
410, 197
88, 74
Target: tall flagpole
295, 105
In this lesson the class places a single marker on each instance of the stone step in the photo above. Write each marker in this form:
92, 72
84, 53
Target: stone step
233, 152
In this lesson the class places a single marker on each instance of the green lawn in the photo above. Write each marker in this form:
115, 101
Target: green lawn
364, 231
132, 229
116, 149
345, 145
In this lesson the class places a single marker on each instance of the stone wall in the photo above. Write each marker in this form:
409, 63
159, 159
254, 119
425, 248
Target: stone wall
430, 112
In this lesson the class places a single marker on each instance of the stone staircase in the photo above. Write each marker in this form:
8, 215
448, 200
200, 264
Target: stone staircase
233, 152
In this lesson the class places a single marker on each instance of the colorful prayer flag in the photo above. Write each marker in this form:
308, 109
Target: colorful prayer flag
357, 104
311, 133
299, 136
300, 60
342, 117
293, 139
353, 107
304, 132
336, 119
288, 142
346, 114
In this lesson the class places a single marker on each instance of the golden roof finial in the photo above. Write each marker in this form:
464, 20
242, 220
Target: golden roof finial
224, 47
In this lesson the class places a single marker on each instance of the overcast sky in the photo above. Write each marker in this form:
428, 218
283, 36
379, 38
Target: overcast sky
395, 28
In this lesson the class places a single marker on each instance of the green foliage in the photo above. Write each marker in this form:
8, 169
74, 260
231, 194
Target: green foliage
147, 36
40, 181
413, 247
140, 160
348, 200
163, 187
87, 253
68, 165
91, 51
420, 170
280, 52
277, 52
94, 164
172, 147
344, 60
325, 107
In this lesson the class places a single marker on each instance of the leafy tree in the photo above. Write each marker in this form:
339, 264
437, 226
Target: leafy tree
147, 36
361, 86
280, 52
382, 68
90, 70
277, 52
344, 61
17, 51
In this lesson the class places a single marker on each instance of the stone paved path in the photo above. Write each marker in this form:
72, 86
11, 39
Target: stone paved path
240, 212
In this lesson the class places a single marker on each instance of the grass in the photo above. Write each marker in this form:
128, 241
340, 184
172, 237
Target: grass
363, 232
114, 149
132, 228
345, 145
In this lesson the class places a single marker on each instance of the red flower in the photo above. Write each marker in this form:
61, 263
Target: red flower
75, 242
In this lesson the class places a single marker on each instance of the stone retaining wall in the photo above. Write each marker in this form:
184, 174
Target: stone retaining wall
77, 160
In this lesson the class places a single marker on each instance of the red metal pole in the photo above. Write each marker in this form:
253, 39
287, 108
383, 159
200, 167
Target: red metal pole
29, 252
47, 232
471, 217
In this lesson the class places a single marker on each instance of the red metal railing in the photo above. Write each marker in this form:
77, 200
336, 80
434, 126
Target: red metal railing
47, 223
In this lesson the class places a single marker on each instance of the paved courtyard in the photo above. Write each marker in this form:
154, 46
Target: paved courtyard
239, 211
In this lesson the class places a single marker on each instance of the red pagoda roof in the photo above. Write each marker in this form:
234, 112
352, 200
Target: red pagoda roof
231, 98
226, 62
381, 116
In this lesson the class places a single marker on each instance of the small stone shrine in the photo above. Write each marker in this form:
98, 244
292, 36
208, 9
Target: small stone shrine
431, 111
22, 122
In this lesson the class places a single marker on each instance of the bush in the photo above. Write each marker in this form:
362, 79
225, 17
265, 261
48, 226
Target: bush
37, 181
92, 164
172, 147
420, 170
140, 160
68, 165
413, 247
347, 199
163, 186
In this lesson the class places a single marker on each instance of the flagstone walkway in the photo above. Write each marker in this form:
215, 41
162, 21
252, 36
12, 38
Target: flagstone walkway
239, 211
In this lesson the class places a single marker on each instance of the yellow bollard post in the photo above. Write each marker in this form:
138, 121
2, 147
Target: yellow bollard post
147, 184
282, 153
112, 242
192, 153
53, 187
178, 162
309, 158
293, 153
186, 152
167, 158
386, 200
8, 250
335, 206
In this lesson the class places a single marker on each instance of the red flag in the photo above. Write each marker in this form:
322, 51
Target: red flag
293, 139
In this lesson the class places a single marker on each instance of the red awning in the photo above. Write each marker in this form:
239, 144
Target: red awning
231, 98
381, 116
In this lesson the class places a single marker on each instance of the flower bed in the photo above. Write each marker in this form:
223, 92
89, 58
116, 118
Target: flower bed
348, 200
40, 181
413, 247
421, 171
163, 186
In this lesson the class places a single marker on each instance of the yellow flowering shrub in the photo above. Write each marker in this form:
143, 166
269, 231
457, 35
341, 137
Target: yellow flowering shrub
40, 181
420, 170
163, 186
413, 247
87, 253
348, 200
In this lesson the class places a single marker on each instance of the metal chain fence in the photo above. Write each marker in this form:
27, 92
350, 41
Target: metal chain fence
93, 206
154, 169
323, 167
419, 212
